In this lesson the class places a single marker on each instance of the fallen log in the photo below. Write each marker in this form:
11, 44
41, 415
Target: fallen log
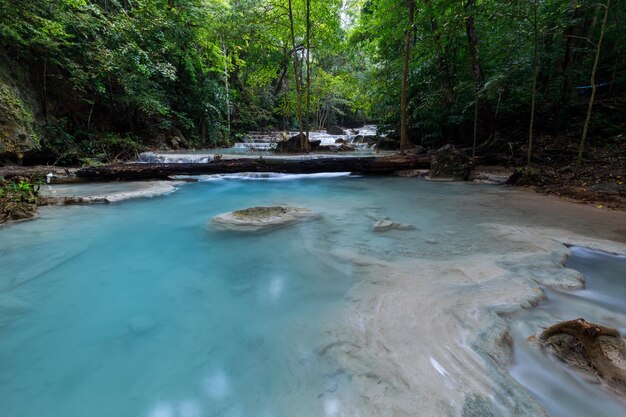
362, 165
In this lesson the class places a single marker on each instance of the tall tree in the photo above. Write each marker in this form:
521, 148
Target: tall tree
305, 147
481, 108
296, 67
583, 138
404, 133
534, 87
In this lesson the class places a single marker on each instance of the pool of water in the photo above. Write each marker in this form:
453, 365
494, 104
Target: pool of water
139, 308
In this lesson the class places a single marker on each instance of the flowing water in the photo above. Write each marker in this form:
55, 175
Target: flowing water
257, 144
563, 392
140, 309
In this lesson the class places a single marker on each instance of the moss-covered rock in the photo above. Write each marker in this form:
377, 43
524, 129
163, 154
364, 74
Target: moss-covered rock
17, 121
450, 163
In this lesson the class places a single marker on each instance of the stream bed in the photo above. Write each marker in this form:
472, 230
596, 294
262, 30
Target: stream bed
141, 309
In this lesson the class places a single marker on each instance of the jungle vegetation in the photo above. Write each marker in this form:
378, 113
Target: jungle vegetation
110, 77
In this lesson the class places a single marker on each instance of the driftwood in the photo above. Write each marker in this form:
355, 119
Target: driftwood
364, 165
590, 347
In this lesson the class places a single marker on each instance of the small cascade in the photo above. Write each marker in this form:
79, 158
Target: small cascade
359, 140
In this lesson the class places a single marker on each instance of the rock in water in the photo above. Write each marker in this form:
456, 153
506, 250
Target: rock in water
257, 219
383, 226
596, 350
386, 225
450, 164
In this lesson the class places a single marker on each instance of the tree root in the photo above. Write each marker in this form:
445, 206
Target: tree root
595, 349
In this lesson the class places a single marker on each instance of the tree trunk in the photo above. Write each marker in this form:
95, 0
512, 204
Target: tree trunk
534, 88
481, 108
226, 86
581, 147
305, 147
404, 134
573, 13
296, 71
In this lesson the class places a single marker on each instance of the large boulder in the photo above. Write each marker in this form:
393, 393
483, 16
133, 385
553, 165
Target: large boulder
258, 219
597, 351
293, 144
450, 164
335, 130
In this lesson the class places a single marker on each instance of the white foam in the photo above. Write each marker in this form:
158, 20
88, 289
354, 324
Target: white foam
263, 176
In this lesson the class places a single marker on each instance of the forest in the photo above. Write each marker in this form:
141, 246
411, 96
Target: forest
84, 81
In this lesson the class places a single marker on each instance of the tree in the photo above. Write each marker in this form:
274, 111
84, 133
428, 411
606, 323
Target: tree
598, 46
404, 134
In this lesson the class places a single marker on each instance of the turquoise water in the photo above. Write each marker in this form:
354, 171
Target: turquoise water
138, 309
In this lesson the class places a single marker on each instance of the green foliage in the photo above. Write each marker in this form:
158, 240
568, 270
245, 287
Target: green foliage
18, 198
214, 68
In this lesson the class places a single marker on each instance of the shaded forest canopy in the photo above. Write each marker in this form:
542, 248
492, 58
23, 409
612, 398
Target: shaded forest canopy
97, 80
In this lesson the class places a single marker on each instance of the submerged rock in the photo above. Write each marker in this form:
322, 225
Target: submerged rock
262, 218
596, 350
386, 225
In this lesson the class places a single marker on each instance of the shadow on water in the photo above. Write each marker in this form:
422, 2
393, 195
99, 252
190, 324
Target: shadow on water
563, 392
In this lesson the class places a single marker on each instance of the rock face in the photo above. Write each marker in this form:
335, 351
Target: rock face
596, 350
292, 145
335, 130
17, 119
257, 219
451, 164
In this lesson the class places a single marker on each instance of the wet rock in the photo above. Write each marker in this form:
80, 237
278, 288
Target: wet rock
386, 225
335, 130
450, 164
383, 226
598, 351
368, 139
412, 173
403, 226
262, 218
294, 144
344, 147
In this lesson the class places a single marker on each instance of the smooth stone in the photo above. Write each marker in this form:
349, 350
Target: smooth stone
403, 226
386, 225
262, 218
383, 226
